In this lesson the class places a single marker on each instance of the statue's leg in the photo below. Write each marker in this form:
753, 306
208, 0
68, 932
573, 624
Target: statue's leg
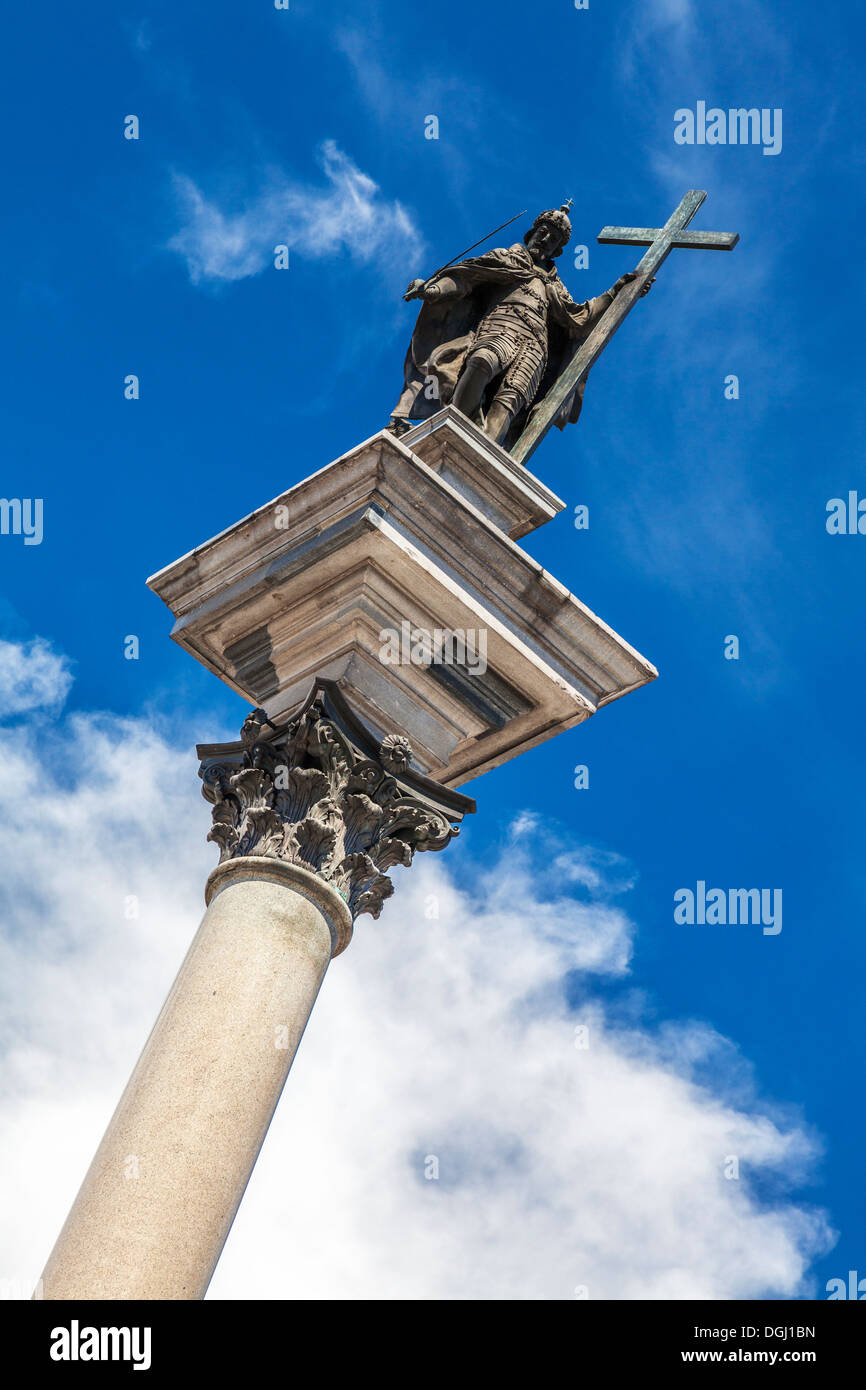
498, 421
474, 379
518, 387
504, 407
402, 411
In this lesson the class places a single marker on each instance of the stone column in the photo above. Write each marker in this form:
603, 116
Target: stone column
306, 820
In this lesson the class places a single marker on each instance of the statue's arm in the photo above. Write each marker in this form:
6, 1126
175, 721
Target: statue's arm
578, 319
461, 277
440, 287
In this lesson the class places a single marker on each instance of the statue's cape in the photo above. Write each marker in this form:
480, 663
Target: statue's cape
446, 329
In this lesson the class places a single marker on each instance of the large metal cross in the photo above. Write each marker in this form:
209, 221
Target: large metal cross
661, 241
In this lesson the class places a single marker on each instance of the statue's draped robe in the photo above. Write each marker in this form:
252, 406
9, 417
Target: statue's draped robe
446, 330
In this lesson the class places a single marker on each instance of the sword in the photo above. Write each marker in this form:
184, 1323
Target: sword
411, 292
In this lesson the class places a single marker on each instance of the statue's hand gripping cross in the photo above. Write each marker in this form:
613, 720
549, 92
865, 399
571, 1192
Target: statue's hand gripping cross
661, 241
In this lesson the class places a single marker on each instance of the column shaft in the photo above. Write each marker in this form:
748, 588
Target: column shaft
157, 1203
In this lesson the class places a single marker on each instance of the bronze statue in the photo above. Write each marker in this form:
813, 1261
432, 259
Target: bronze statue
496, 332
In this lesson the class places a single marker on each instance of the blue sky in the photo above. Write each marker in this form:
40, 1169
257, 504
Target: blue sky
707, 516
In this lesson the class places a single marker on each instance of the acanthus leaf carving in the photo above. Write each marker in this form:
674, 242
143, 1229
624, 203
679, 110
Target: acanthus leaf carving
314, 843
316, 792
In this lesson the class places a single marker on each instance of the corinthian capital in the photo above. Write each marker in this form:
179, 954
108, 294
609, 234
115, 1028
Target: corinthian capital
321, 793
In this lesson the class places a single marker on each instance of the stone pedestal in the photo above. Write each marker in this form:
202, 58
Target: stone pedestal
408, 536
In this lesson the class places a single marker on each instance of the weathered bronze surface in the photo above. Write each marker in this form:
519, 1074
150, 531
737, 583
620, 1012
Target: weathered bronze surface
661, 241
500, 337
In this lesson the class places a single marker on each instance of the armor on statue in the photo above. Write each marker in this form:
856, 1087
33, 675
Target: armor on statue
494, 333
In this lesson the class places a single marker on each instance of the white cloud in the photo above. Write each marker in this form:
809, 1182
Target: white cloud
221, 243
32, 677
445, 1036
558, 1167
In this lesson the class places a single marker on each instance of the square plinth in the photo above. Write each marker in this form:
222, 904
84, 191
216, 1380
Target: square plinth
393, 572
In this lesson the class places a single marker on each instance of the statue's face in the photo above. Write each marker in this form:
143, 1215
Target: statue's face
543, 243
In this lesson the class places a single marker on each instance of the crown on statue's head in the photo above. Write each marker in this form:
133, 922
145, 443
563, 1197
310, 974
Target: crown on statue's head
558, 220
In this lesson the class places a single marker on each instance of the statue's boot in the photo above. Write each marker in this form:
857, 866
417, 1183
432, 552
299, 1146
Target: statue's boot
474, 380
498, 421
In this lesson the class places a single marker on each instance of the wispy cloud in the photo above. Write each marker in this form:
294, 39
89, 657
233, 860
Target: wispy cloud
444, 1033
657, 22
32, 677
400, 99
348, 215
